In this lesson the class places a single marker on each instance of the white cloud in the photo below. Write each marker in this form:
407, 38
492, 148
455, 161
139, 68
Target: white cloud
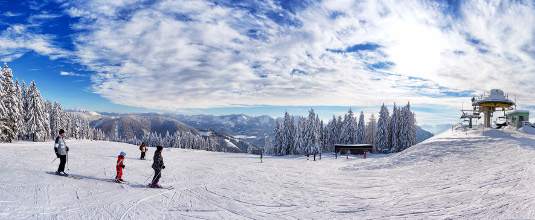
18, 39
197, 54
63, 73
11, 14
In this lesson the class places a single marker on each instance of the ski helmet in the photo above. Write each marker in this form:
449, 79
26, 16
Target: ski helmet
122, 153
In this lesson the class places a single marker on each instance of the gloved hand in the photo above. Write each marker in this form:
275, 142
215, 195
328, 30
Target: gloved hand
67, 148
163, 167
56, 150
122, 166
57, 155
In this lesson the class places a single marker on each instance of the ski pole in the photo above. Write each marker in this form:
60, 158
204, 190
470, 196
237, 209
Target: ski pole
67, 158
155, 176
147, 178
54, 160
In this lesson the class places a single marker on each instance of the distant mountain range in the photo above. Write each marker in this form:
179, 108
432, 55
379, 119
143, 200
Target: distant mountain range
252, 129
422, 134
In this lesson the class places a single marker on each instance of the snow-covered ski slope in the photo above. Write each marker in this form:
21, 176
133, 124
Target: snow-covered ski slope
458, 174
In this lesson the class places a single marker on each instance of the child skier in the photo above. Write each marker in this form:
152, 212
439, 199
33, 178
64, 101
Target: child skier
119, 167
157, 165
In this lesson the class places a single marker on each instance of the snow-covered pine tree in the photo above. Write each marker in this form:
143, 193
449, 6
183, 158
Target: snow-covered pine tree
288, 134
301, 139
318, 129
324, 132
403, 129
371, 130
20, 106
11, 104
408, 131
331, 134
56, 119
167, 140
35, 114
311, 132
383, 131
3, 116
47, 108
277, 145
178, 140
339, 129
268, 146
361, 129
349, 133
395, 128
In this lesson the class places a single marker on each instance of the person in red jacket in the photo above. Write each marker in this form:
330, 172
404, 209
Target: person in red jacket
119, 167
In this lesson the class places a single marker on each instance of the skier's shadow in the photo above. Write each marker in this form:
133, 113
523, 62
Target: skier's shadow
139, 186
92, 178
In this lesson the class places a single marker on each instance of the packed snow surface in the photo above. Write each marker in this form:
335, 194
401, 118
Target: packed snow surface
458, 174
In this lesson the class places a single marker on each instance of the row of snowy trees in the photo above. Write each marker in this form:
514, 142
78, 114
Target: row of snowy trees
390, 133
24, 114
395, 132
187, 140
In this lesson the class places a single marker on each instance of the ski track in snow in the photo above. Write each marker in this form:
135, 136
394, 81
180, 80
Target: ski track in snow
457, 174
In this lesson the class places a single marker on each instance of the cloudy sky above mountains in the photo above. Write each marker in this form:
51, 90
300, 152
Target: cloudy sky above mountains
262, 57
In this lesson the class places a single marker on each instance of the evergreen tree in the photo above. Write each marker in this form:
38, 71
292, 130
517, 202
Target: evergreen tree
56, 121
3, 116
349, 133
35, 114
318, 130
361, 129
311, 133
383, 132
167, 141
278, 138
301, 133
339, 128
288, 134
408, 131
11, 104
395, 127
20, 115
371, 130
331, 134
268, 146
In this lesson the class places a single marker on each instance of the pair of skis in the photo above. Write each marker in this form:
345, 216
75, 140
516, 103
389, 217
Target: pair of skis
112, 180
149, 185
161, 187
66, 175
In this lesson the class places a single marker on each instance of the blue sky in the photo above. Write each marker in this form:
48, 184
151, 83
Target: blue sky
265, 57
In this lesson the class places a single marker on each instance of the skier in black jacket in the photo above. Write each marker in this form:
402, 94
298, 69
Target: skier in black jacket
157, 165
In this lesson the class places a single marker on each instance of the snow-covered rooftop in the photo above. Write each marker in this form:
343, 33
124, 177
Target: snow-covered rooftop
495, 96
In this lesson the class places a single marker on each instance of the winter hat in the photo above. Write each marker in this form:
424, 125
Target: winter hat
61, 131
122, 153
159, 148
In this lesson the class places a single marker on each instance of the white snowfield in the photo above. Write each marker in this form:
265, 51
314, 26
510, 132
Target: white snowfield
458, 174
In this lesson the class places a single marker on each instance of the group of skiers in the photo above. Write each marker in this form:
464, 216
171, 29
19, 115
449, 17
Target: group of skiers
62, 150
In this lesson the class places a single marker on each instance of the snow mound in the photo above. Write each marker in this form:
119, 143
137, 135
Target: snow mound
528, 130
